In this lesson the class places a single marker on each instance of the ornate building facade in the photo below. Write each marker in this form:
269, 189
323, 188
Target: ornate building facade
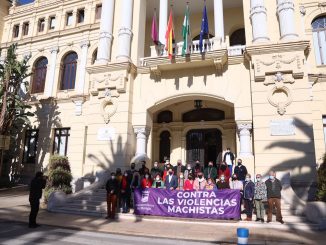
105, 95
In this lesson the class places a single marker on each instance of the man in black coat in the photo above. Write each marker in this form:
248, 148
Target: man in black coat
112, 188
35, 194
179, 169
241, 171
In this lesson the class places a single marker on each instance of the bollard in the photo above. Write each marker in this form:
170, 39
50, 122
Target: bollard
243, 235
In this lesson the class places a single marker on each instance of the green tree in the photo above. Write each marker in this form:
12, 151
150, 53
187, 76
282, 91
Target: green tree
14, 111
321, 193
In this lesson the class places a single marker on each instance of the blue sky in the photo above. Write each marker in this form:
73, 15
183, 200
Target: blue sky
25, 1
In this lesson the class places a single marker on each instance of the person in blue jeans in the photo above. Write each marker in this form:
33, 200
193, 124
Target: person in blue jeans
248, 196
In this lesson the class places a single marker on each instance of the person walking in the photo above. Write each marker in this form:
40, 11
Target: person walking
274, 188
210, 172
125, 192
229, 159
248, 196
241, 171
112, 189
35, 194
260, 197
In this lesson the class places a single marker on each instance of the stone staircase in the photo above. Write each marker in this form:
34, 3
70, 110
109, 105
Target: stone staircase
94, 204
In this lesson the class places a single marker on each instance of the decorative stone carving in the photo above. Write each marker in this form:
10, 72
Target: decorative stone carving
78, 107
109, 80
279, 88
108, 106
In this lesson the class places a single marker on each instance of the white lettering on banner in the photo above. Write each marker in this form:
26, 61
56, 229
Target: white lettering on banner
198, 194
165, 201
195, 210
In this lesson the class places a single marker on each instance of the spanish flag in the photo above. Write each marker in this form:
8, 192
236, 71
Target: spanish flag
169, 36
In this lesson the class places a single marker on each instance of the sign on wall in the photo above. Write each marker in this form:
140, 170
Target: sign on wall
105, 134
282, 127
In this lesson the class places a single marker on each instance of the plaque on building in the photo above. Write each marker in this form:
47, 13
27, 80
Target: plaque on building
105, 134
282, 127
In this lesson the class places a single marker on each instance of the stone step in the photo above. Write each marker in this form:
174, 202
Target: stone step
68, 210
86, 202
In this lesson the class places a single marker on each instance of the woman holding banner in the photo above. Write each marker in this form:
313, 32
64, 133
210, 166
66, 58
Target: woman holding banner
200, 182
158, 182
210, 185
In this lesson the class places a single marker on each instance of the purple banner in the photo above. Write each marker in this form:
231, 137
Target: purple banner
219, 204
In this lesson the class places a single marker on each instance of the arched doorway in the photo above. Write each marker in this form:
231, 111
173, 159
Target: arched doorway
203, 145
165, 145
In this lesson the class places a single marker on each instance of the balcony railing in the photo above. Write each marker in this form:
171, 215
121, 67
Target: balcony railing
236, 50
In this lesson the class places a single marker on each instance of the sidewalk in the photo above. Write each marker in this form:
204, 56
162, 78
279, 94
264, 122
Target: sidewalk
216, 232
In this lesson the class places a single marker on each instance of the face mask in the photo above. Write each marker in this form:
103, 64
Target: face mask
200, 176
126, 174
157, 178
188, 167
181, 176
209, 182
210, 165
170, 173
222, 178
112, 177
155, 165
234, 178
239, 163
271, 177
132, 167
247, 179
223, 167
258, 179
146, 176
179, 163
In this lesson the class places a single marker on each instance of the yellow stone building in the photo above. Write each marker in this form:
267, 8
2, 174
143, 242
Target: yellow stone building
105, 95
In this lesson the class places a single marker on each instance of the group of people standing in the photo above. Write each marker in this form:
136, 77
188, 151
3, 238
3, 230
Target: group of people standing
212, 177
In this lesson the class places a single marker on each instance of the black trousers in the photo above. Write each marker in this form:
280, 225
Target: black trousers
35, 206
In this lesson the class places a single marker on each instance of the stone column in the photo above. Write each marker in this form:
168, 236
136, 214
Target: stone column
141, 135
82, 68
125, 31
51, 73
106, 28
244, 131
163, 21
258, 16
285, 10
219, 20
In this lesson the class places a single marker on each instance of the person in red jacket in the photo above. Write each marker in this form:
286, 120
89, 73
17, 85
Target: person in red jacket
146, 182
189, 184
224, 170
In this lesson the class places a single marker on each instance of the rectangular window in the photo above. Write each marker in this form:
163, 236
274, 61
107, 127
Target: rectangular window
15, 31
41, 24
81, 15
98, 11
69, 19
52, 23
30, 147
25, 28
60, 144
324, 125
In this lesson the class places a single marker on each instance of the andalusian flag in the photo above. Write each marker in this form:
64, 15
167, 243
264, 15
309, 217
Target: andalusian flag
169, 36
186, 33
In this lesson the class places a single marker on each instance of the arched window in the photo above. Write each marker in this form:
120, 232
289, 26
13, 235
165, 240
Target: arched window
319, 36
94, 57
238, 37
165, 117
39, 75
69, 68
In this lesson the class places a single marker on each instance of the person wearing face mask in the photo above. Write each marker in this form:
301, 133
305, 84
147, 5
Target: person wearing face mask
146, 181
224, 170
210, 171
155, 170
179, 168
229, 159
236, 184
125, 192
248, 196
200, 182
143, 170
167, 167
260, 197
274, 188
171, 181
181, 181
112, 189
189, 183
197, 169
158, 182
240, 171
222, 183
188, 171
210, 185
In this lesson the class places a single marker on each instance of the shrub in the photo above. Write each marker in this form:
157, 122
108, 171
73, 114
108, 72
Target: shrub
321, 181
59, 176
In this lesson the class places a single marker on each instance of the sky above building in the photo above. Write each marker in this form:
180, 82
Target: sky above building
25, 1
